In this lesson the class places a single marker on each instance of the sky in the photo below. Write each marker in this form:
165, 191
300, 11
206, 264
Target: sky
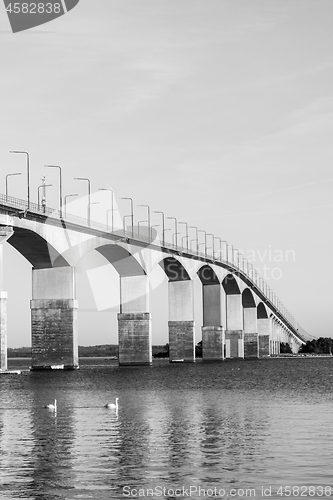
219, 113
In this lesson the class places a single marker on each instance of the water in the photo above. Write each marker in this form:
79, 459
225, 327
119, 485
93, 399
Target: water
181, 430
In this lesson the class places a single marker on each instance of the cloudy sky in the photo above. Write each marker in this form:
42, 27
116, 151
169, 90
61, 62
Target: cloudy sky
217, 112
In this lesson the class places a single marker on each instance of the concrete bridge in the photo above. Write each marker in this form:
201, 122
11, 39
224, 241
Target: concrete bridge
54, 243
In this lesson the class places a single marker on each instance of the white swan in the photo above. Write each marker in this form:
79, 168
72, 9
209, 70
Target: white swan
51, 406
113, 406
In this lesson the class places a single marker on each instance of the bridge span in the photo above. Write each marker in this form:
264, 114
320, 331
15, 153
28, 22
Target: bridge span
54, 242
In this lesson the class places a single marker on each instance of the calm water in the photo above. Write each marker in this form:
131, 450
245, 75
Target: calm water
235, 426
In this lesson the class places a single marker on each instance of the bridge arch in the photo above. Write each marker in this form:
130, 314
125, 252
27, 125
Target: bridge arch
174, 269
230, 285
36, 249
248, 299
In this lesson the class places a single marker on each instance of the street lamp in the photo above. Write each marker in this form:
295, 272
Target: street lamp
148, 219
60, 186
203, 231
140, 222
132, 214
38, 192
68, 196
186, 233
163, 223
16, 173
175, 239
210, 234
218, 238
28, 173
89, 195
196, 236
186, 237
176, 232
232, 254
112, 209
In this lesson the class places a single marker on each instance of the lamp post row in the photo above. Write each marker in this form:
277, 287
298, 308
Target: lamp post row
255, 276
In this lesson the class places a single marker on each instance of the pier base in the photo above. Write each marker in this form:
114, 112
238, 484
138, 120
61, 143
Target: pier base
212, 343
134, 332
263, 345
181, 341
251, 345
234, 344
54, 337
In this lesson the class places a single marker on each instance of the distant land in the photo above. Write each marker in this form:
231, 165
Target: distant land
100, 351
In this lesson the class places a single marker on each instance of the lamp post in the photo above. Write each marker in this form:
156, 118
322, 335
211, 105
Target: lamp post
203, 243
28, 173
155, 225
175, 239
140, 222
89, 195
8, 175
232, 254
132, 214
176, 232
203, 231
210, 234
218, 238
186, 233
186, 237
148, 219
163, 223
60, 187
68, 196
196, 236
112, 203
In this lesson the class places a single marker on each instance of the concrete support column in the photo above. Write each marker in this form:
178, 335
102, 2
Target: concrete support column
54, 336
213, 336
3, 331
134, 321
251, 342
5, 233
181, 321
234, 335
263, 332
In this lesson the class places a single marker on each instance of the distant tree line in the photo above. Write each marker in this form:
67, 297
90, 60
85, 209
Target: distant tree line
317, 346
101, 351
163, 351
285, 348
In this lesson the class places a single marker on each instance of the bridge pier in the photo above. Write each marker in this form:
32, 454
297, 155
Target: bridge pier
134, 321
3, 331
181, 321
212, 329
234, 335
263, 331
54, 336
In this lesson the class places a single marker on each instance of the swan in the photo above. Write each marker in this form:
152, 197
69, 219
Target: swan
51, 406
113, 406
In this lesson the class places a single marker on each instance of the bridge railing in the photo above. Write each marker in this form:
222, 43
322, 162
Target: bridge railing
241, 266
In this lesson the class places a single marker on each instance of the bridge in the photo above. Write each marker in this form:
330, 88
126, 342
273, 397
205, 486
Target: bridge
54, 242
